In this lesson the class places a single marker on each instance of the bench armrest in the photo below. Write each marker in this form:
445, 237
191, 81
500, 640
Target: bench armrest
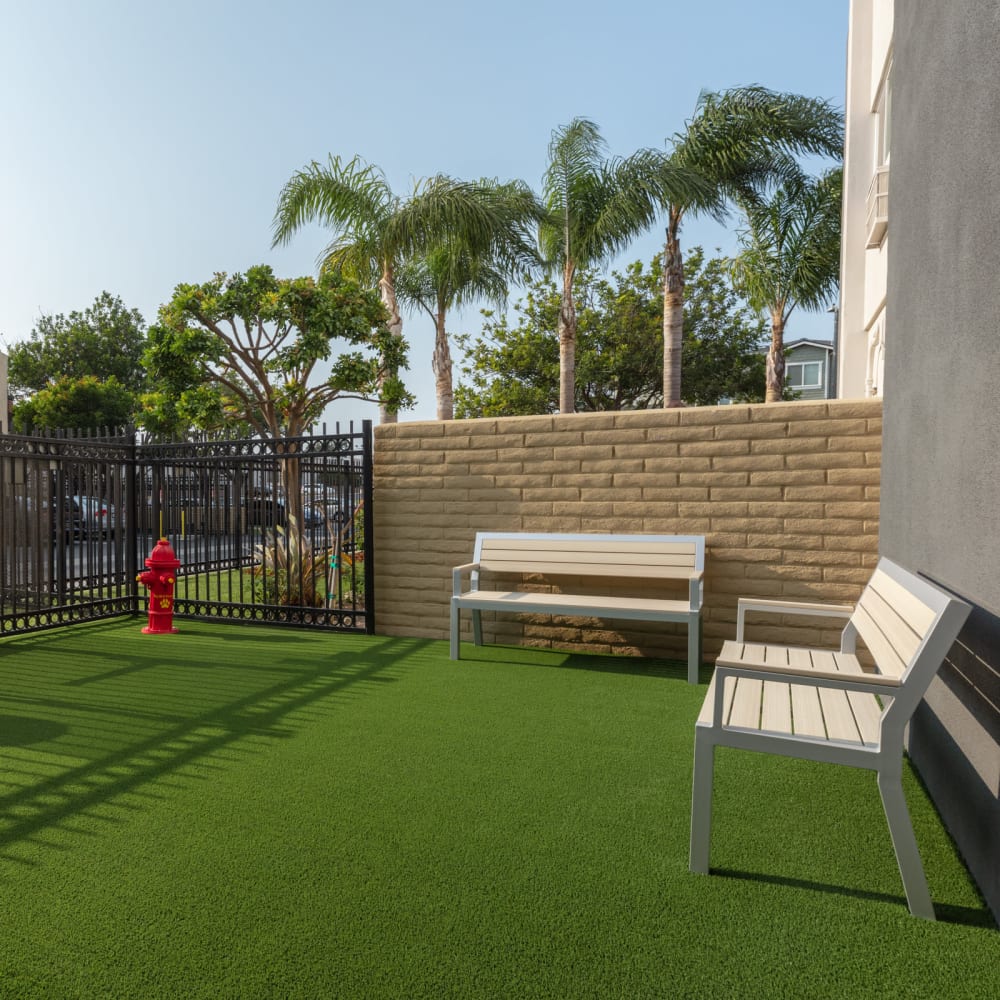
696, 588
746, 604
456, 577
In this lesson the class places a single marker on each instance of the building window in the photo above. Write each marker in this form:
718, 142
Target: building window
883, 120
804, 374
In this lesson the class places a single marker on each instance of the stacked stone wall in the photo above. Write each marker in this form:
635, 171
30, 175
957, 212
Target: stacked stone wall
786, 495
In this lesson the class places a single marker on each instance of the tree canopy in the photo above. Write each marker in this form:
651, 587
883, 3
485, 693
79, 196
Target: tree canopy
104, 341
249, 349
512, 366
85, 403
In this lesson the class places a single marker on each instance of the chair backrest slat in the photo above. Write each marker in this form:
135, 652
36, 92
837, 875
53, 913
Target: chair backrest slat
641, 556
892, 620
908, 625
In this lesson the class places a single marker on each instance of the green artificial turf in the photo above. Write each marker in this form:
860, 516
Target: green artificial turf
245, 812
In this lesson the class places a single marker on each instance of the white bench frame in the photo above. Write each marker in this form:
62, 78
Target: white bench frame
551, 554
908, 625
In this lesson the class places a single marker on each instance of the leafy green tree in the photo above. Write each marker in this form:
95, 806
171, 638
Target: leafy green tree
376, 231
247, 349
740, 142
790, 257
512, 366
105, 341
85, 403
596, 205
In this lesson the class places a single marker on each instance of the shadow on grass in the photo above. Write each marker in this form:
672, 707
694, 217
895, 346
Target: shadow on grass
946, 913
23, 731
48, 802
557, 660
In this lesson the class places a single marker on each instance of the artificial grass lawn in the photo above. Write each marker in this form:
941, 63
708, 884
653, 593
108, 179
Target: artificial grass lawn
238, 811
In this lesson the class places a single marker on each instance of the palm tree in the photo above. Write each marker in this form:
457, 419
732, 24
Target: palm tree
443, 279
375, 230
790, 257
596, 206
739, 141
454, 273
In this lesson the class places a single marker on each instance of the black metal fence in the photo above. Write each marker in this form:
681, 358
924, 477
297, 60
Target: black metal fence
265, 530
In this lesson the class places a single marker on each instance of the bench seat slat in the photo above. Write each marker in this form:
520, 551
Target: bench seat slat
807, 712
521, 601
867, 715
745, 709
776, 714
838, 718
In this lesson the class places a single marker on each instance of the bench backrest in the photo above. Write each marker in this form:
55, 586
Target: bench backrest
908, 625
643, 556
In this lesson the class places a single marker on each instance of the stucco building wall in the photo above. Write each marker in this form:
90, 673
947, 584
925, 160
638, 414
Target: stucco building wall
941, 477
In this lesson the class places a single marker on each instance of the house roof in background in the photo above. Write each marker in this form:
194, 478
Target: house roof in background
826, 345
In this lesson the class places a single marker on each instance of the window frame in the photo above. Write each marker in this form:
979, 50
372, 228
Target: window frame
821, 370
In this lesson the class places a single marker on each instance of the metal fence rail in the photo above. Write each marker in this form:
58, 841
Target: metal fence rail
266, 530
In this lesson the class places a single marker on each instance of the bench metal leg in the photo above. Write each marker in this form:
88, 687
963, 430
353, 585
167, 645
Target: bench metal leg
454, 631
701, 801
904, 843
477, 627
694, 648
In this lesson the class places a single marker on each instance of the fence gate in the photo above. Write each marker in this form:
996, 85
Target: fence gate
266, 530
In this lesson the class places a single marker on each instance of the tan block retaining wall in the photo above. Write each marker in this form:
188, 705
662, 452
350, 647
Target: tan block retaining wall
787, 496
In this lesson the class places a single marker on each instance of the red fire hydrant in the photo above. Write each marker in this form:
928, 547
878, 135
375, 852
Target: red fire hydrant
159, 577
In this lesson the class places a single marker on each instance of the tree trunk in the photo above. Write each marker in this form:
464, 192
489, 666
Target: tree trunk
673, 314
567, 343
387, 291
776, 360
441, 366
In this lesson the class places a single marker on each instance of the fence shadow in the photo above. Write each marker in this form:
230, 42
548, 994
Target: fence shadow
136, 742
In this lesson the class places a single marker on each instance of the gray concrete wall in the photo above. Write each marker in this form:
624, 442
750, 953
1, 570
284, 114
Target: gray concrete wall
941, 449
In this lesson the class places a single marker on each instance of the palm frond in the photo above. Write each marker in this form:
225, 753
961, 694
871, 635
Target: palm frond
576, 152
790, 248
747, 140
350, 197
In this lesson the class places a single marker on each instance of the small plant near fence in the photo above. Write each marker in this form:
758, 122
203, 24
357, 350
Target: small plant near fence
289, 570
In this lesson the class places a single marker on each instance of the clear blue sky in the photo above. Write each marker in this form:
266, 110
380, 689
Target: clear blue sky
145, 145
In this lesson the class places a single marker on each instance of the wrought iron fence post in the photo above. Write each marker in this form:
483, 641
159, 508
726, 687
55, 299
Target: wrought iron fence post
367, 487
129, 520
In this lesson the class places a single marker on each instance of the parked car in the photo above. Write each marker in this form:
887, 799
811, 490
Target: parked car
97, 516
72, 521
265, 509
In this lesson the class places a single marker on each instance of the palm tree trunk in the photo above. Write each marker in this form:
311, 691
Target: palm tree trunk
567, 342
776, 360
673, 313
387, 291
441, 366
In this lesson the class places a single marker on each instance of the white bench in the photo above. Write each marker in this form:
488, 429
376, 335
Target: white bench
641, 558
822, 705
